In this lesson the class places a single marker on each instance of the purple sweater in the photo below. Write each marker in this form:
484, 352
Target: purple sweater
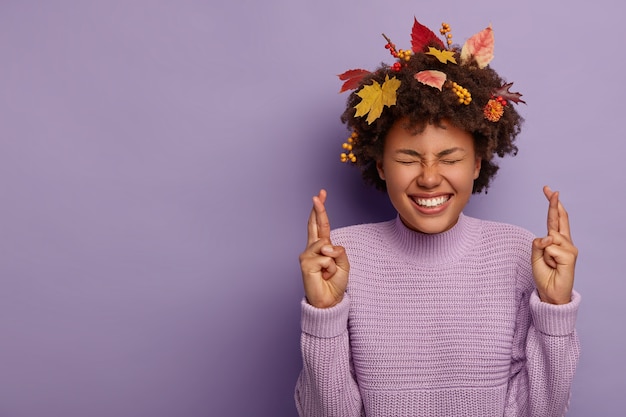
438, 325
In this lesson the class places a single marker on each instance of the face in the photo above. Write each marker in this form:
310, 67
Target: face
429, 174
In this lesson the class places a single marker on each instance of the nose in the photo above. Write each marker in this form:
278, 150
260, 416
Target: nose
429, 176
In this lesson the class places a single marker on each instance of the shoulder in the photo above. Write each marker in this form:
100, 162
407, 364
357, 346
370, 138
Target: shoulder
503, 241
360, 234
504, 233
511, 245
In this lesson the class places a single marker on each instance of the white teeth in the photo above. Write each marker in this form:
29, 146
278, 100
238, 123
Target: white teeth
432, 202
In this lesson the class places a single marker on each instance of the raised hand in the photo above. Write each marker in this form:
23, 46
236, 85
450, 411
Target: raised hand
324, 266
554, 256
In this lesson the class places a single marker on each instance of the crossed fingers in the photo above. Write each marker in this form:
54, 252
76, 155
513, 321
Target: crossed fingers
318, 225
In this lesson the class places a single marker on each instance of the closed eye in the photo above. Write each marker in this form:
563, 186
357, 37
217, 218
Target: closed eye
407, 162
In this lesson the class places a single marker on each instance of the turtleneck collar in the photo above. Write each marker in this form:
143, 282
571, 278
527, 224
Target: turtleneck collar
437, 248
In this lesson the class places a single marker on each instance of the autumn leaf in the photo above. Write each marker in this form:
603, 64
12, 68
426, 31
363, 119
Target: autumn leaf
432, 78
375, 97
421, 37
444, 56
352, 78
479, 47
508, 95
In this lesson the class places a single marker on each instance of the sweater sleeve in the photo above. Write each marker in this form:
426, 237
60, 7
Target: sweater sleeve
545, 354
326, 385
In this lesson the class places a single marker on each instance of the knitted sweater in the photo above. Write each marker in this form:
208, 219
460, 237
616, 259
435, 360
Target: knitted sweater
437, 325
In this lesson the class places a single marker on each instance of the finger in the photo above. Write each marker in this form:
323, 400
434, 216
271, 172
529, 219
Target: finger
539, 251
553, 208
560, 259
312, 235
341, 258
564, 228
329, 267
564, 243
555, 250
315, 249
549, 260
547, 191
321, 216
322, 195
316, 257
312, 224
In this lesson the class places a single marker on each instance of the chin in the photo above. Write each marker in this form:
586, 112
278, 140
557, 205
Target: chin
429, 227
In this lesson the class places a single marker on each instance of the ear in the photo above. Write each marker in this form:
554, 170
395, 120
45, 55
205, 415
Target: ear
477, 167
381, 170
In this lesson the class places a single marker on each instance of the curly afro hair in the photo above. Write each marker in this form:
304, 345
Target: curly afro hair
421, 104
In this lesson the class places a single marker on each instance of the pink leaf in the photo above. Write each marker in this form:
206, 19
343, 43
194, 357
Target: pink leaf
432, 78
479, 47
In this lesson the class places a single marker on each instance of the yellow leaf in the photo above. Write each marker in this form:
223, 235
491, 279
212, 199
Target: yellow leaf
442, 56
375, 97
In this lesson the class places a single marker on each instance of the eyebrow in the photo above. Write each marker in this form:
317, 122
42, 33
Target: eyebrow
445, 152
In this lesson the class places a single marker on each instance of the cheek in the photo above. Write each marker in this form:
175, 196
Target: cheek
399, 177
466, 178
461, 177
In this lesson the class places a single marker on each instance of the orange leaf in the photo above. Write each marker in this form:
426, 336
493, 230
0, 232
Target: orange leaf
479, 47
432, 78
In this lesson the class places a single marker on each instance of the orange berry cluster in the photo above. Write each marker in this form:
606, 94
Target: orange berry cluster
403, 55
445, 31
347, 146
494, 109
464, 96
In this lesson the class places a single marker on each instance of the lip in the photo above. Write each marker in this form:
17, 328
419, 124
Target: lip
431, 210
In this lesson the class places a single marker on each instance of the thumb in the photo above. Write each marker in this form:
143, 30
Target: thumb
539, 251
539, 244
341, 258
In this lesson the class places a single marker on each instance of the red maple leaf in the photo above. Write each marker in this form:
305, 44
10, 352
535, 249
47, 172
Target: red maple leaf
352, 79
422, 37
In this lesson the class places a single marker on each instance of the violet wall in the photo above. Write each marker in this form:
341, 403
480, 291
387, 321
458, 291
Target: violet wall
157, 160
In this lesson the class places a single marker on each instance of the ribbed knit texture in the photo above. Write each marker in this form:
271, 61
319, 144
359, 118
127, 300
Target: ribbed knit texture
437, 325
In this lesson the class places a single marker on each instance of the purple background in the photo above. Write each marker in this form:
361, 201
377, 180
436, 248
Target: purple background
157, 160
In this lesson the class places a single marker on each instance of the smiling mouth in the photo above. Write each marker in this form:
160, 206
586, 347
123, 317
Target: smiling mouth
432, 202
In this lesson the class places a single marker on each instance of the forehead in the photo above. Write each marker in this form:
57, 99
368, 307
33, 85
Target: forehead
428, 138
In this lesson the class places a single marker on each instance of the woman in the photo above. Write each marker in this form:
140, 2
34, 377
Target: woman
435, 313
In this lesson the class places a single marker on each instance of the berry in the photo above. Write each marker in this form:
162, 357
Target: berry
461, 92
345, 157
